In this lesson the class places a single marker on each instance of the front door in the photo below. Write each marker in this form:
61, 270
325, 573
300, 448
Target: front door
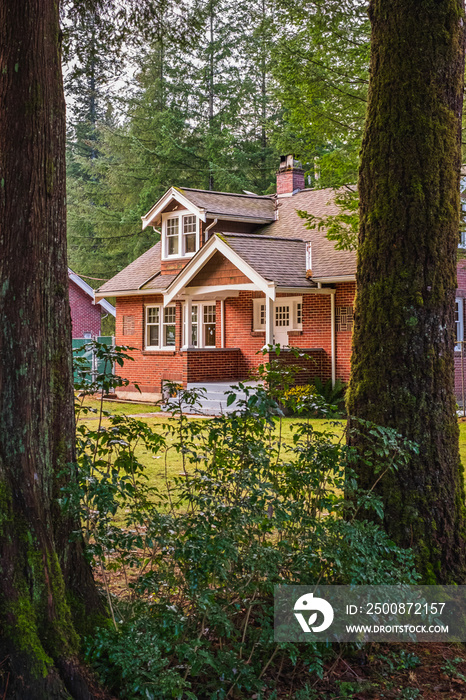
282, 322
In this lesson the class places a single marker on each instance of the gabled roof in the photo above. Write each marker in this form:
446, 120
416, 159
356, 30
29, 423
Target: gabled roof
276, 251
109, 308
269, 263
279, 260
221, 205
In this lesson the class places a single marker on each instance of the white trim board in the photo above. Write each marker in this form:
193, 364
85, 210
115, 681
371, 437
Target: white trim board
151, 217
213, 245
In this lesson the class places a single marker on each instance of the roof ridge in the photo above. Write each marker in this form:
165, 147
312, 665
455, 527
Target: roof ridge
227, 194
259, 235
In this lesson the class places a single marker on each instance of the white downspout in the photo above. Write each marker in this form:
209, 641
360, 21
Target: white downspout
206, 237
332, 331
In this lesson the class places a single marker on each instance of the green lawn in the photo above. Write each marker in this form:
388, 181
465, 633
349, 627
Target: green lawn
117, 409
168, 464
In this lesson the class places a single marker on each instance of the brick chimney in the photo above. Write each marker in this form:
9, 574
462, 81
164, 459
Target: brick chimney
290, 175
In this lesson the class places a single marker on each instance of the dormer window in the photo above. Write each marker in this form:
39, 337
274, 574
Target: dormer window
173, 236
180, 233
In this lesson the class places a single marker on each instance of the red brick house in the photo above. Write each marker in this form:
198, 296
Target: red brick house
231, 274
86, 315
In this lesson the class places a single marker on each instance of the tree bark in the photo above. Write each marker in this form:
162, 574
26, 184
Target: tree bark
46, 585
403, 345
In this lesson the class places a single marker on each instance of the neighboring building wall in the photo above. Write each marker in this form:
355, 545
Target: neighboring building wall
85, 316
461, 292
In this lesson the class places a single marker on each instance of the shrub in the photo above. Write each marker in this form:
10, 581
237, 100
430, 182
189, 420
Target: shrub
201, 556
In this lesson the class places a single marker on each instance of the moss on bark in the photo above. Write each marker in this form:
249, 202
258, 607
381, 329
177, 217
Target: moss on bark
42, 567
403, 343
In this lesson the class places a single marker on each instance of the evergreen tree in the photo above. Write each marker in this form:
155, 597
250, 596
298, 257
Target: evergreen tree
321, 68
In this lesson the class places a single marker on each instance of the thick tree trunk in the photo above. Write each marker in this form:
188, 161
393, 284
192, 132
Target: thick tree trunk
402, 364
45, 583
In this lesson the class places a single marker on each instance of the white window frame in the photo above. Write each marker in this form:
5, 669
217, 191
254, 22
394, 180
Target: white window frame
459, 324
293, 302
181, 238
200, 305
161, 325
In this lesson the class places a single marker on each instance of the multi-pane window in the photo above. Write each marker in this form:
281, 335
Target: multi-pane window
203, 326
209, 326
194, 326
180, 235
169, 326
299, 313
189, 234
286, 314
173, 236
282, 315
160, 327
153, 326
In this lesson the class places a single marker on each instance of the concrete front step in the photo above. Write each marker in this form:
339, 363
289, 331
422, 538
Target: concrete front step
213, 400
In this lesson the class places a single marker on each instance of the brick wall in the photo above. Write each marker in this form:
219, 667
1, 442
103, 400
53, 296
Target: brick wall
313, 365
212, 365
344, 299
150, 368
85, 316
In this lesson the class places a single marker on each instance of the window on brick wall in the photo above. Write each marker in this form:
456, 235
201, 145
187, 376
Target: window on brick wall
459, 323
203, 325
287, 312
209, 325
160, 327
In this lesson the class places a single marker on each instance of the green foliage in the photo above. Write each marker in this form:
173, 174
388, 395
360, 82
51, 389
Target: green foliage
343, 227
321, 70
201, 556
317, 400
333, 395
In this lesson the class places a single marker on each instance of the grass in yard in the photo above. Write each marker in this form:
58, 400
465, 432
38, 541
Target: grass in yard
168, 464
118, 409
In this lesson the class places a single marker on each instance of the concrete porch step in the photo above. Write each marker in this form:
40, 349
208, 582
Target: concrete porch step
214, 398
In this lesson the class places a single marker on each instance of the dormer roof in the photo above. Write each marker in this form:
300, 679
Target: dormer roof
215, 205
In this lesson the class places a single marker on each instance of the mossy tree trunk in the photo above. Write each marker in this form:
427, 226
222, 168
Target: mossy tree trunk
403, 362
46, 584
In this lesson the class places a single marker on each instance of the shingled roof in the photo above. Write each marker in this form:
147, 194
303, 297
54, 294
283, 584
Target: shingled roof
276, 251
327, 262
279, 260
135, 274
239, 205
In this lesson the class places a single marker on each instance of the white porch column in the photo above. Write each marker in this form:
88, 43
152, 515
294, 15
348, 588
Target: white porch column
268, 321
222, 321
189, 322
